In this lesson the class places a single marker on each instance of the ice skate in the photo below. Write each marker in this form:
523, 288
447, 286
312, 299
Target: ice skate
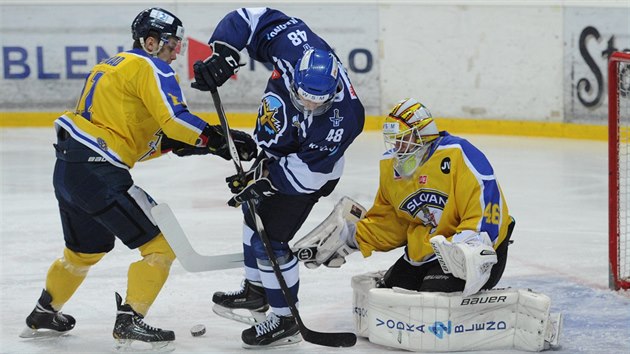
274, 331
44, 321
132, 334
247, 305
552, 334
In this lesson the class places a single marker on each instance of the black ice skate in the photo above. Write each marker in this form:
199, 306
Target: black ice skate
130, 329
44, 321
275, 331
250, 298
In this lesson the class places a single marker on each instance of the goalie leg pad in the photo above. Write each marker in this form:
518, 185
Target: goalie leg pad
361, 286
441, 322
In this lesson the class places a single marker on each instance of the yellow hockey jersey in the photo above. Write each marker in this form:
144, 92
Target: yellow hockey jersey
454, 190
127, 102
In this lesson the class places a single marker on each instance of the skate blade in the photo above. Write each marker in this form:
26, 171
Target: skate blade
291, 340
41, 333
245, 316
136, 346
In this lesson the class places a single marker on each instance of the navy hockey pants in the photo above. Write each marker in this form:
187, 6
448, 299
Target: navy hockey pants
98, 202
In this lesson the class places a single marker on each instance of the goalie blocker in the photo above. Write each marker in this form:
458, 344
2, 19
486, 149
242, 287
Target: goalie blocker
443, 322
328, 243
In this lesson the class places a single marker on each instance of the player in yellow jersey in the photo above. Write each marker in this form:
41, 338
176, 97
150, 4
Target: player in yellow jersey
439, 199
131, 109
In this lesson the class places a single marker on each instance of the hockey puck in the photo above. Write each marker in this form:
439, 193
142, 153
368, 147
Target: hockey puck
198, 330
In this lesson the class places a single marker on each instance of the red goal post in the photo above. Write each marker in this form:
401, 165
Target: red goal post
619, 170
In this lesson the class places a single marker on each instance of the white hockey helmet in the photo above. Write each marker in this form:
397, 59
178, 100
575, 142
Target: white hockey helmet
408, 131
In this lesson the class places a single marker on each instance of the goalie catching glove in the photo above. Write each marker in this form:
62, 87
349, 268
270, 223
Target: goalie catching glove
254, 184
216, 69
213, 142
331, 241
470, 256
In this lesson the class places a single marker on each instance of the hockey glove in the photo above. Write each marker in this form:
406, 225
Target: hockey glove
217, 68
213, 142
470, 256
217, 144
252, 185
334, 238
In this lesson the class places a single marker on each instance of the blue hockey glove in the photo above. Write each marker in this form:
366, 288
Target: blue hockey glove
252, 185
217, 68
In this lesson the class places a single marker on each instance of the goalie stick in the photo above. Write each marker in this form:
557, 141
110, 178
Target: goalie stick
339, 339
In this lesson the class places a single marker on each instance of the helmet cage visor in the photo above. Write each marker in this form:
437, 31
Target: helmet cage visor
408, 146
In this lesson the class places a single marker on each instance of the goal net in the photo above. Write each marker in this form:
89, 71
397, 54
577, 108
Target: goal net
619, 169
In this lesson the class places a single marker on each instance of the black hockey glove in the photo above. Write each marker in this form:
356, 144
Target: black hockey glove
252, 185
217, 68
217, 145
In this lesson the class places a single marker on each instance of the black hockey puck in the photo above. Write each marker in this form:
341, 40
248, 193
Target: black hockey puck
198, 330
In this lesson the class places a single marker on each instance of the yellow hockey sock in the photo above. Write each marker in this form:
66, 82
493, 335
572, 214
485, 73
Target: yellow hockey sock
67, 273
147, 276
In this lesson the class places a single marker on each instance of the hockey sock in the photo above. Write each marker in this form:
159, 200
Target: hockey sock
67, 273
290, 271
147, 276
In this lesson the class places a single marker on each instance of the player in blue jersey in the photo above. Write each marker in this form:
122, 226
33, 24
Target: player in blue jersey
131, 109
308, 116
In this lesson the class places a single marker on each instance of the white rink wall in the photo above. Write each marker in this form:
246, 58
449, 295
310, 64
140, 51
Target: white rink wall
541, 61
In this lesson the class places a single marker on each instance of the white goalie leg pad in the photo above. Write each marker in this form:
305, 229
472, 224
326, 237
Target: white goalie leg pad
361, 285
443, 322
328, 242
469, 256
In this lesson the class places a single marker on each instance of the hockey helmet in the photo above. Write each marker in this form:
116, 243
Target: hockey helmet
316, 80
408, 131
161, 21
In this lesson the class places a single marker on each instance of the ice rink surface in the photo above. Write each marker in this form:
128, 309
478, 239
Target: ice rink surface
555, 188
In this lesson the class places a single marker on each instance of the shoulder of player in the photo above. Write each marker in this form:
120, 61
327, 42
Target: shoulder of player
459, 148
138, 58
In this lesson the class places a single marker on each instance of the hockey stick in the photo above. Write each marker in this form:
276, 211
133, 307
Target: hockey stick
194, 262
187, 256
339, 339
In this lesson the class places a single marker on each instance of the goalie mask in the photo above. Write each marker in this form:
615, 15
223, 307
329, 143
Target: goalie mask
315, 82
408, 131
164, 23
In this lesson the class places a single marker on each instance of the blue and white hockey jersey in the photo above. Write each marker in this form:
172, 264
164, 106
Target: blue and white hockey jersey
306, 151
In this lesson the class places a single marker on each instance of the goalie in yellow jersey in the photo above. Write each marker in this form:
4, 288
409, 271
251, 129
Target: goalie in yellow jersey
131, 109
439, 199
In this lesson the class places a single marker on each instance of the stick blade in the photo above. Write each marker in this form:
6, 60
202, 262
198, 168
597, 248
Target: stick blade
336, 340
186, 254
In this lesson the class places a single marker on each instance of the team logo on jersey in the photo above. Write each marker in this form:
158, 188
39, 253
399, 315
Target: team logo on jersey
267, 118
445, 165
335, 119
422, 199
423, 179
271, 121
275, 74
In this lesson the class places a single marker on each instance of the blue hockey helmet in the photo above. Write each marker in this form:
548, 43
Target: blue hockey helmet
159, 20
316, 80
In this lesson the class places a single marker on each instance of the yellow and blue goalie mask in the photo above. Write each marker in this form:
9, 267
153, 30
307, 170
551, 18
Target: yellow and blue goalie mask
408, 132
